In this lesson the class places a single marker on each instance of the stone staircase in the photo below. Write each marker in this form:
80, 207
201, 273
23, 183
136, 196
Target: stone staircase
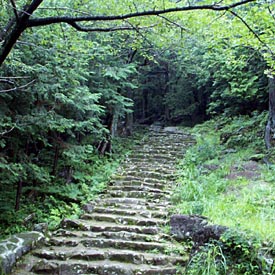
126, 230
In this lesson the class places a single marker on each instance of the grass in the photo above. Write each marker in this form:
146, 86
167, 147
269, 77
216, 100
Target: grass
205, 186
215, 181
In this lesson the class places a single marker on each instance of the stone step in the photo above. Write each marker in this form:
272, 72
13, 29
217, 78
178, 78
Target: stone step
128, 201
130, 212
140, 179
152, 153
166, 171
138, 188
149, 174
97, 226
122, 235
64, 253
106, 267
80, 243
133, 203
153, 157
137, 194
147, 165
154, 161
140, 184
146, 207
127, 220
158, 148
155, 143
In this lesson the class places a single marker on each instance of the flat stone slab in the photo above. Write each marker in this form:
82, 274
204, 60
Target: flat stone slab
172, 130
16, 246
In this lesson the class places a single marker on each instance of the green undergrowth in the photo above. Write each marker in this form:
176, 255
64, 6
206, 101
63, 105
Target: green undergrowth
60, 197
223, 177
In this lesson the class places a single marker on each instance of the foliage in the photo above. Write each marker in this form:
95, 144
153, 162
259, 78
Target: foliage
51, 201
59, 92
234, 253
243, 202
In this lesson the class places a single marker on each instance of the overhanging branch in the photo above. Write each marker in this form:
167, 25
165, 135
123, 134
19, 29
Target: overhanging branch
107, 29
26, 20
35, 22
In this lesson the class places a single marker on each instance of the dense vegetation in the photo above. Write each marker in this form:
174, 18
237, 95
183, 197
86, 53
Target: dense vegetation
69, 88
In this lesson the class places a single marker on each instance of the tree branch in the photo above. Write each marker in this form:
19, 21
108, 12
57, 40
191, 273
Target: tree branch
6, 132
35, 22
25, 21
14, 77
271, 13
17, 88
17, 29
253, 32
107, 29
14, 10
65, 9
7, 81
173, 23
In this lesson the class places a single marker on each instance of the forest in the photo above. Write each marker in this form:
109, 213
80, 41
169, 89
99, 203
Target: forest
79, 80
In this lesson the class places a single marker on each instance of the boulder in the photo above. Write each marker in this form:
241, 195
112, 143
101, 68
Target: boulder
195, 228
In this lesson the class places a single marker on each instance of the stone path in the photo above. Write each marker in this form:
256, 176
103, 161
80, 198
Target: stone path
122, 232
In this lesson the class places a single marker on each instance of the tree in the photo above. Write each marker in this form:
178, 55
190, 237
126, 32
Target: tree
23, 20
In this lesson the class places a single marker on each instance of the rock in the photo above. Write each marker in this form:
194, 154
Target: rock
69, 223
172, 130
257, 157
229, 151
88, 208
185, 226
41, 227
211, 167
208, 233
249, 170
15, 247
155, 128
195, 228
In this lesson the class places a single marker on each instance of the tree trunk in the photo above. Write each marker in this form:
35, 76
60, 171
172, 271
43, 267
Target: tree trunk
270, 126
18, 195
129, 121
55, 161
17, 27
144, 104
166, 92
129, 117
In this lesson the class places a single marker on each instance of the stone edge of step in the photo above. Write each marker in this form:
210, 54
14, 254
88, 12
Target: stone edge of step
13, 248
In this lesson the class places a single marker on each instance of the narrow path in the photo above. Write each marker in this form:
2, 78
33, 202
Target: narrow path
123, 232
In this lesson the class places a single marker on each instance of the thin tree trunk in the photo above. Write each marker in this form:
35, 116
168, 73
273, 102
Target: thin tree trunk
270, 126
166, 91
55, 161
129, 117
144, 104
18, 195
129, 121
